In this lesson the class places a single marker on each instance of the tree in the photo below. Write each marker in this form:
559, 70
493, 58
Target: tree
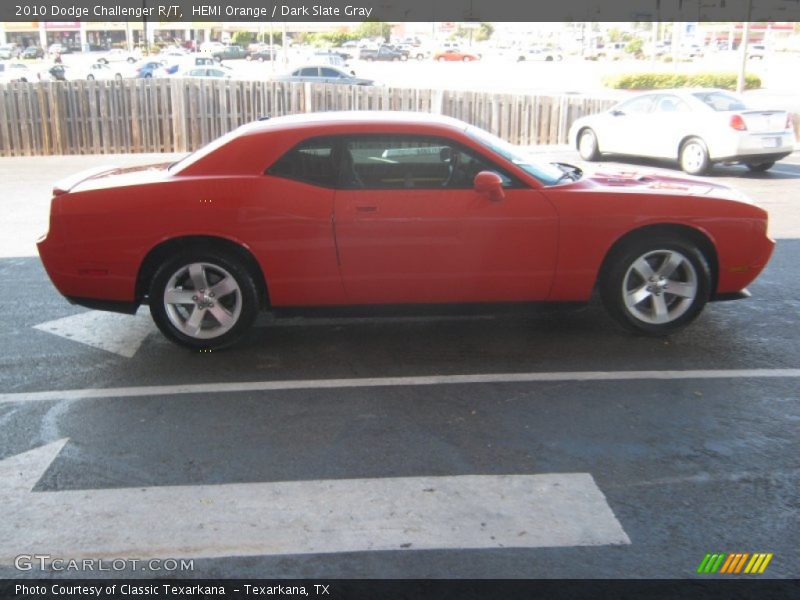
242, 38
484, 32
372, 29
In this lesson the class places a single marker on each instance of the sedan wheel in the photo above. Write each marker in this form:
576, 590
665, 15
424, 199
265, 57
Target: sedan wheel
587, 145
656, 286
90, 78
118, 77
760, 167
202, 300
694, 157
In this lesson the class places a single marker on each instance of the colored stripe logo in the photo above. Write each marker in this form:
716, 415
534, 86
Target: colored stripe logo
734, 563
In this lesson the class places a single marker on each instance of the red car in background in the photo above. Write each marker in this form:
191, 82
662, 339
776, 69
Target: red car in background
357, 208
454, 54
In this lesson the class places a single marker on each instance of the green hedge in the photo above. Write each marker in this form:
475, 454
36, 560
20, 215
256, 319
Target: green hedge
660, 81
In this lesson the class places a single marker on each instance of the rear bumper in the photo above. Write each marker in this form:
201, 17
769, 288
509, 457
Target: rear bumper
745, 146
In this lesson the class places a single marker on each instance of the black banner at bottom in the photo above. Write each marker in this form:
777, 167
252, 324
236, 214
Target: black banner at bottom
394, 589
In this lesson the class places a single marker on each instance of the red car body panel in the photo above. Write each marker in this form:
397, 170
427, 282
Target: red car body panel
320, 246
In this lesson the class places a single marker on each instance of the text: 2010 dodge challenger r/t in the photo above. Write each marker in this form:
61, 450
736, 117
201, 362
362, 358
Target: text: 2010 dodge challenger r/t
337, 209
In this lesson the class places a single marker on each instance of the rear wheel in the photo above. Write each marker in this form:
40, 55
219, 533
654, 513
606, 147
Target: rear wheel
90, 77
694, 157
760, 167
588, 147
656, 285
203, 299
466, 59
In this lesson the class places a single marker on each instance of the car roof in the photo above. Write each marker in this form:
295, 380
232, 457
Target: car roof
352, 117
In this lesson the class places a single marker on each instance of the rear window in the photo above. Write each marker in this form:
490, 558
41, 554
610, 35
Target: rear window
720, 101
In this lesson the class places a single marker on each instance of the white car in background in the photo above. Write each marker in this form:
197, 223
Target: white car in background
206, 72
10, 72
118, 55
695, 126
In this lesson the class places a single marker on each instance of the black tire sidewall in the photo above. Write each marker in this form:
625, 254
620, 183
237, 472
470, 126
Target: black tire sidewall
760, 167
617, 267
247, 287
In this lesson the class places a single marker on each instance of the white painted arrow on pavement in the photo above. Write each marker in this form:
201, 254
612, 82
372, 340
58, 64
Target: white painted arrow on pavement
113, 332
298, 517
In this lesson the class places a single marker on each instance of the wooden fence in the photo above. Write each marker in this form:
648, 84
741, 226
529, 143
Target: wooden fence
176, 115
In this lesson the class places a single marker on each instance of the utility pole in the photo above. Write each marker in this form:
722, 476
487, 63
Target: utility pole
743, 49
743, 59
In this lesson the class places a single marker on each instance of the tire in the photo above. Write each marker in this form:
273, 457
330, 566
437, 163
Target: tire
548, 59
760, 167
90, 77
637, 278
588, 148
104, 61
175, 299
693, 157
441, 59
118, 77
129, 59
148, 75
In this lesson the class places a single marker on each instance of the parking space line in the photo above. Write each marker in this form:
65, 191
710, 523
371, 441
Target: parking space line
302, 517
367, 382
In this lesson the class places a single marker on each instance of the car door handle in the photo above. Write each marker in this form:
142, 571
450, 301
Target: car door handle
367, 209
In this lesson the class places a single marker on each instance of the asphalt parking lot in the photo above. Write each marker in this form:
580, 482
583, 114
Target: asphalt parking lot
507, 444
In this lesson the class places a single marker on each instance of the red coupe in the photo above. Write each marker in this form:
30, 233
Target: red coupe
390, 208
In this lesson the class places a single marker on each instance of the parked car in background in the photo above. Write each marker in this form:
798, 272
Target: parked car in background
11, 72
695, 126
178, 66
367, 208
229, 52
118, 55
147, 68
540, 54
758, 51
104, 72
323, 74
383, 52
454, 54
9, 51
32, 53
211, 47
216, 72
262, 54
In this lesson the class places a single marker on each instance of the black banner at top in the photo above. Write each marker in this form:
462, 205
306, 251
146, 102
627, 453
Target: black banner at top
398, 10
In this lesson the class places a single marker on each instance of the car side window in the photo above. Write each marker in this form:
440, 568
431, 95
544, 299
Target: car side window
640, 105
670, 103
408, 162
309, 72
333, 73
311, 161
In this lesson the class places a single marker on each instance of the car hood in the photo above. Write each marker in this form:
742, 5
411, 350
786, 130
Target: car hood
111, 176
659, 183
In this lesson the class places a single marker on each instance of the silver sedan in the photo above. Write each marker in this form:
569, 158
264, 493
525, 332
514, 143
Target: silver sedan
695, 126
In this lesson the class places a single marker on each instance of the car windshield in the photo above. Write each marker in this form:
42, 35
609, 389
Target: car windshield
720, 101
545, 172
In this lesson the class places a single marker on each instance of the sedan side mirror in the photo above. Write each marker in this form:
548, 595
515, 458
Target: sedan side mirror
488, 183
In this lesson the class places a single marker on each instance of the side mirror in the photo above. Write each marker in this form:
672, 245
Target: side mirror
489, 183
617, 113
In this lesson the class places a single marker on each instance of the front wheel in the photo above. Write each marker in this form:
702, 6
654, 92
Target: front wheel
760, 167
694, 157
656, 285
588, 147
203, 299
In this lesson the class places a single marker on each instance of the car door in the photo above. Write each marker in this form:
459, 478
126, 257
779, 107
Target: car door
671, 120
627, 131
410, 228
329, 75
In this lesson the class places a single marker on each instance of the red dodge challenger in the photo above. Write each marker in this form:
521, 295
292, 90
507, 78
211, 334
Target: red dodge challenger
390, 208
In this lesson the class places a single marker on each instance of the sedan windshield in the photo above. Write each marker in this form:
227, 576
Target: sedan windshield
547, 173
